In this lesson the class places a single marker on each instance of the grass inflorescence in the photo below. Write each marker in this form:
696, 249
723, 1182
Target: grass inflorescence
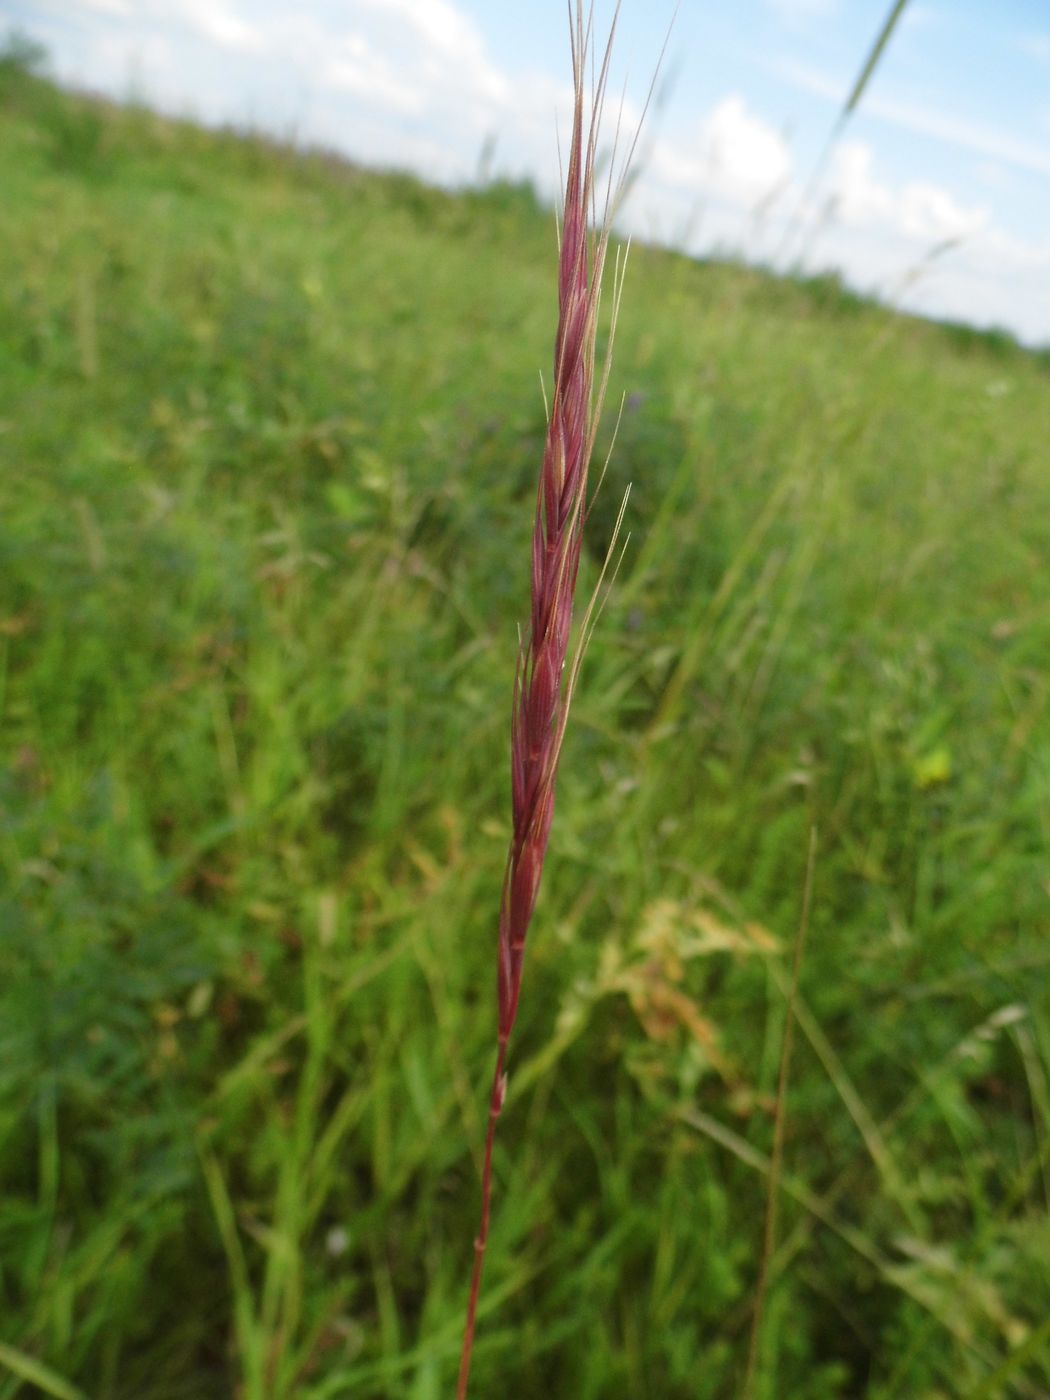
546, 676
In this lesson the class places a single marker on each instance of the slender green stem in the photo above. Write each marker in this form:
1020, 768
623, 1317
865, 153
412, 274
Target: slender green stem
776, 1160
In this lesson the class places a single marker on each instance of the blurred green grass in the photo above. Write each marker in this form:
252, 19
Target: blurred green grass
269, 431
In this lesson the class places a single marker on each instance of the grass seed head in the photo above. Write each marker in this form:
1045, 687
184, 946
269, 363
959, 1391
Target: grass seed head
546, 674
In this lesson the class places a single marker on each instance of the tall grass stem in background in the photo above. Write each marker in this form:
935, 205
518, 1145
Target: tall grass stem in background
874, 55
776, 1160
546, 675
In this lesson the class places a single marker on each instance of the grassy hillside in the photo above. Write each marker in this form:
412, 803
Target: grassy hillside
269, 431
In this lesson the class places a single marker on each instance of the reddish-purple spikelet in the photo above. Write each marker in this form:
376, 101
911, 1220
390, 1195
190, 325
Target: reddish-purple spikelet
539, 698
542, 689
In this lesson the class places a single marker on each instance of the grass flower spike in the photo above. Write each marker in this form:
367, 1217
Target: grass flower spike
547, 674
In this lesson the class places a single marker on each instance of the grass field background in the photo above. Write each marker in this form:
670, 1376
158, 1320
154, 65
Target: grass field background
269, 434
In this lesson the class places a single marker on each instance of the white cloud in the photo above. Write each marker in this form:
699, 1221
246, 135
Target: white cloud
931, 215
216, 21
119, 8
917, 210
744, 150
1014, 255
442, 27
982, 284
439, 49
921, 247
403, 54
736, 156
859, 197
356, 67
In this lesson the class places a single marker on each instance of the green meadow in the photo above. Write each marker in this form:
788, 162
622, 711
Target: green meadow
270, 427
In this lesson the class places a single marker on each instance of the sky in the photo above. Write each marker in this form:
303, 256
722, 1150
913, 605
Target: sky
935, 197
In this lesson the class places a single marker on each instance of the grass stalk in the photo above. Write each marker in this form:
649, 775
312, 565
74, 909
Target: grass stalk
546, 676
856, 92
776, 1160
